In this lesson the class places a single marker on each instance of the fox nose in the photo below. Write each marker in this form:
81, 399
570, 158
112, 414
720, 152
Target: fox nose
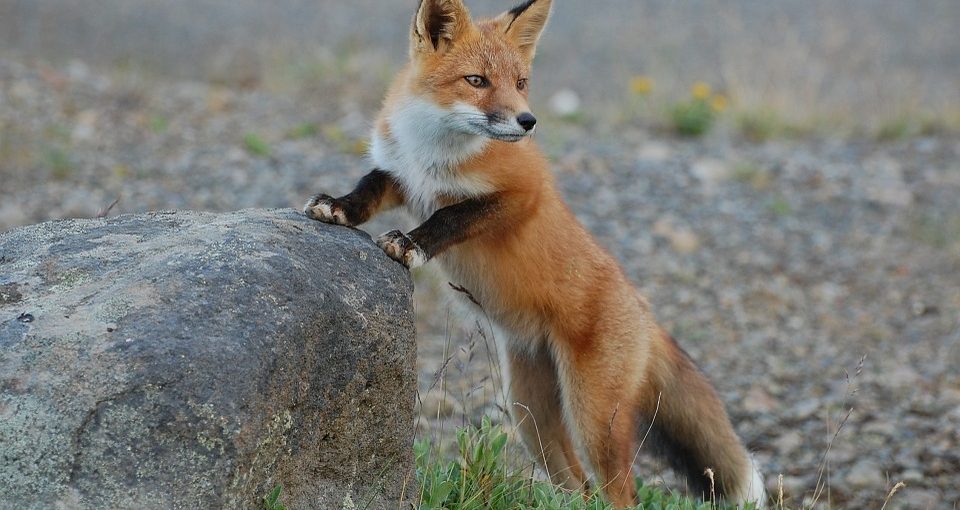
526, 120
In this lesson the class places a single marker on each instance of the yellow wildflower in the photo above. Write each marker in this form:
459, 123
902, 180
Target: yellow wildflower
719, 102
641, 85
359, 147
121, 171
700, 91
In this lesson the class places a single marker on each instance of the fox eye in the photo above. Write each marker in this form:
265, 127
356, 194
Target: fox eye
476, 80
521, 84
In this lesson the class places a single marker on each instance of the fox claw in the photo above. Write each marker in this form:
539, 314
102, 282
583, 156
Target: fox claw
324, 208
401, 248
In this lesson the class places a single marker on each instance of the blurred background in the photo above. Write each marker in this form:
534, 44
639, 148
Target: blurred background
780, 178
818, 61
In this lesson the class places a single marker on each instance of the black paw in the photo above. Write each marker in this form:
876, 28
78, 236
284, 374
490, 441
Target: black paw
401, 248
324, 208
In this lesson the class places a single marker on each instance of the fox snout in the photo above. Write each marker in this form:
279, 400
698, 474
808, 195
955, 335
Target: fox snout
508, 127
527, 121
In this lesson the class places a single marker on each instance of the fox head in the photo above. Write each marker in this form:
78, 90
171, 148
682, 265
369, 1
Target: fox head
477, 72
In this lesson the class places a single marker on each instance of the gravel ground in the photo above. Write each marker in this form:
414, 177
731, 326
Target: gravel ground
807, 277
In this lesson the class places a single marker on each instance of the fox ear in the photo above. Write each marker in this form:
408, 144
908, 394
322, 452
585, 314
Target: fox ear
524, 23
437, 24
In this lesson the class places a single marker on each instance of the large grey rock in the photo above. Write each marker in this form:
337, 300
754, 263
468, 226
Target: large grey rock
195, 360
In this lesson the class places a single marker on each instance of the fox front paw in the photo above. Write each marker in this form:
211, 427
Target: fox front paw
325, 208
401, 248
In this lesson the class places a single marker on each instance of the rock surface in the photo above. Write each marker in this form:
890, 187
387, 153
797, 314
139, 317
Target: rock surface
197, 360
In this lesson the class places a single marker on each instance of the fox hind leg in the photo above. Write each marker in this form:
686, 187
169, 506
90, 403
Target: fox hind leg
603, 416
537, 411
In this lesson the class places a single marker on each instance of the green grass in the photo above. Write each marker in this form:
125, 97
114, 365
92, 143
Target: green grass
486, 475
159, 124
305, 130
909, 126
256, 146
272, 500
760, 125
59, 161
344, 142
895, 129
780, 206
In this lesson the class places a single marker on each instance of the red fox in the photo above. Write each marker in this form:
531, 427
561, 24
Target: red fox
584, 354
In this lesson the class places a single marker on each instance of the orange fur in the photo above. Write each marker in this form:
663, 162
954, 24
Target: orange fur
586, 357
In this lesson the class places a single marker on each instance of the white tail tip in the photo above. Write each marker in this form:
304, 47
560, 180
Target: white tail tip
754, 491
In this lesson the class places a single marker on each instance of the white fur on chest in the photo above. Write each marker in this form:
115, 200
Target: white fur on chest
425, 146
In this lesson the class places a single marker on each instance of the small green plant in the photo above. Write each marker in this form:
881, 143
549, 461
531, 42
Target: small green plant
578, 118
760, 125
906, 126
781, 207
478, 479
59, 162
256, 145
695, 116
159, 124
272, 501
895, 129
344, 143
305, 130
692, 118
